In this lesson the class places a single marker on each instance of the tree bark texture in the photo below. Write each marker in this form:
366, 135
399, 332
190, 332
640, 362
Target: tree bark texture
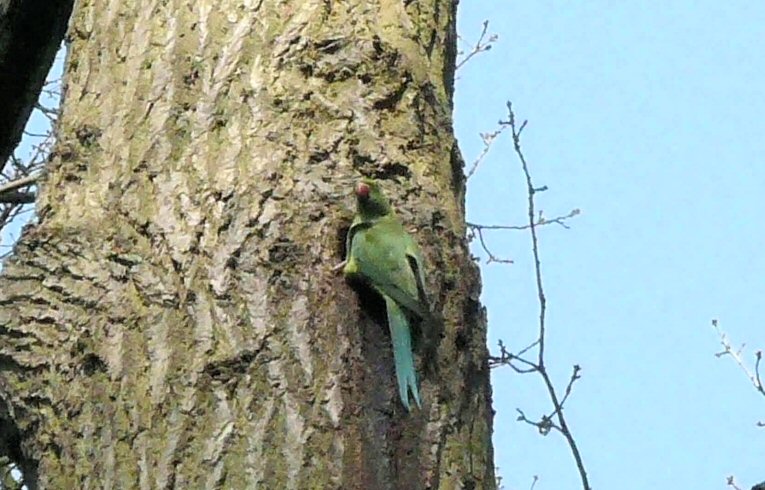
173, 320
30, 35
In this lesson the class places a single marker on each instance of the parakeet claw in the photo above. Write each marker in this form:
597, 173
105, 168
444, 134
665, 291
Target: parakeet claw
339, 266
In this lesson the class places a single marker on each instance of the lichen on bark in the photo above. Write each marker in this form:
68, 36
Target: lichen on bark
173, 320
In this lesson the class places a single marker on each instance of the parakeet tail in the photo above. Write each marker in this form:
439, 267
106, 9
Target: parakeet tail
402, 353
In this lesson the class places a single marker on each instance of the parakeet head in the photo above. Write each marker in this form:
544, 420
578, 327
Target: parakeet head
370, 199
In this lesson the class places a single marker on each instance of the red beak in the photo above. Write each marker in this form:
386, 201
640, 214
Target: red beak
362, 190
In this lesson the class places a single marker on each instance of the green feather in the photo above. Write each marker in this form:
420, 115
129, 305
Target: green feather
383, 254
402, 353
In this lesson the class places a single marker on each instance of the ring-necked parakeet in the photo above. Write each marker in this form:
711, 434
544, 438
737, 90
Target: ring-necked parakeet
385, 256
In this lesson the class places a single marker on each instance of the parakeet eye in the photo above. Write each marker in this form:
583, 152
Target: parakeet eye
362, 190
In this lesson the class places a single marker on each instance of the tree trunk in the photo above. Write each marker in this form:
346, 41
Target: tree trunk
173, 320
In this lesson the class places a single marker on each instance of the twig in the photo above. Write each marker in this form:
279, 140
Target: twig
18, 183
534, 482
5, 215
754, 377
480, 46
506, 358
556, 419
51, 114
8, 213
35, 135
488, 139
574, 376
736, 355
732, 483
544, 424
541, 221
478, 231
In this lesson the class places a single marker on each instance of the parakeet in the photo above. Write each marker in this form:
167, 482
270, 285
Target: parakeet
384, 255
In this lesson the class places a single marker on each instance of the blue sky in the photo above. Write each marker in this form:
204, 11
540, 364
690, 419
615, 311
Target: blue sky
650, 120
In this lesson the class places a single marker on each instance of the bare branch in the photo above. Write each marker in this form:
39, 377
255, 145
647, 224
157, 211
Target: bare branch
534, 482
732, 483
18, 183
506, 358
728, 350
754, 376
488, 139
16, 197
8, 213
34, 135
479, 47
478, 231
544, 425
556, 419
574, 376
541, 221
51, 114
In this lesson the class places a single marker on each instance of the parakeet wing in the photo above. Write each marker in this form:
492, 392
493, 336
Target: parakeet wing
387, 256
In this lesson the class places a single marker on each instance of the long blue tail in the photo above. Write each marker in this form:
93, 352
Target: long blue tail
402, 353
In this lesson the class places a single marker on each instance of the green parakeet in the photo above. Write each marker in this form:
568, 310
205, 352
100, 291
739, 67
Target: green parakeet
384, 255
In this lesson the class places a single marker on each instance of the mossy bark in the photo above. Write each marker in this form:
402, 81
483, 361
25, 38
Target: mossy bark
173, 320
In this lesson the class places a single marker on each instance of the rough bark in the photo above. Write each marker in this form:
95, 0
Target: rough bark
173, 321
30, 34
